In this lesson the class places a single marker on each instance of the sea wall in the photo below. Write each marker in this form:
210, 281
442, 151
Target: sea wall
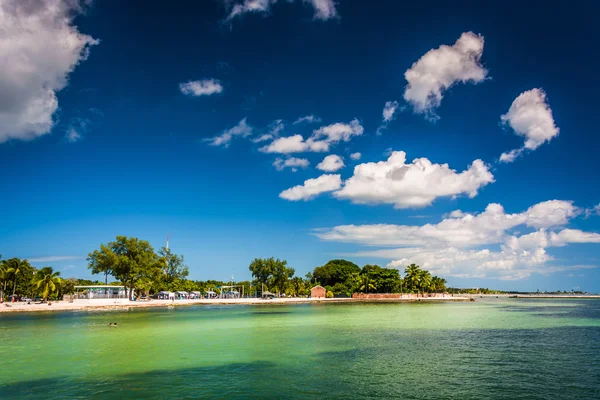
375, 296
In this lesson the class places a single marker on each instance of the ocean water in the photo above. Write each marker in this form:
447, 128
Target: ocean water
494, 348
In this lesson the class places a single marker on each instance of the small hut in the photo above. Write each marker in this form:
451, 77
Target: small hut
195, 295
182, 295
165, 295
318, 292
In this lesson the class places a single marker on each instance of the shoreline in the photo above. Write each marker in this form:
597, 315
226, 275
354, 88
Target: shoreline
83, 305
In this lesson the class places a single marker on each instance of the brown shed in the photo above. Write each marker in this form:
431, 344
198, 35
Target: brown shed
317, 292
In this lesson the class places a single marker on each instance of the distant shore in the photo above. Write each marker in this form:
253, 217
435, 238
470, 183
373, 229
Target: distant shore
82, 305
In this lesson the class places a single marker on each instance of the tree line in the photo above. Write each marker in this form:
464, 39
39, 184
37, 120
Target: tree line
134, 264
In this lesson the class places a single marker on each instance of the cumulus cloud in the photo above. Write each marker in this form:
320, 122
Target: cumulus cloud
241, 129
324, 9
441, 68
319, 141
331, 163
530, 116
204, 87
355, 156
416, 184
292, 162
312, 188
459, 244
39, 48
309, 119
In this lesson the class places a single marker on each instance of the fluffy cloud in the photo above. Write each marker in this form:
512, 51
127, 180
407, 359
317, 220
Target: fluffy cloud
204, 87
312, 188
319, 141
294, 163
331, 163
441, 68
459, 229
309, 119
39, 48
530, 116
324, 9
355, 156
416, 184
241, 129
453, 247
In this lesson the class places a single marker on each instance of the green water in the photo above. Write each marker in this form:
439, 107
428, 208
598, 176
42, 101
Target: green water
498, 348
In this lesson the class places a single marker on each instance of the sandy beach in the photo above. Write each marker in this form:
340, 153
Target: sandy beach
82, 305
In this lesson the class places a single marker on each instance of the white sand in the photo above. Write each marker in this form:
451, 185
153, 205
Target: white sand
118, 304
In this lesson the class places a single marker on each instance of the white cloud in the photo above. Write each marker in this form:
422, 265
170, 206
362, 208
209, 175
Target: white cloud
294, 163
39, 48
355, 156
319, 141
592, 211
416, 184
389, 110
331, 163
54, 258
324, 9
72, 135
511, 155
275, 129
204, 87
441, 68
453, 247
530, 116
459, 229
241, 129
312, 188
309, 119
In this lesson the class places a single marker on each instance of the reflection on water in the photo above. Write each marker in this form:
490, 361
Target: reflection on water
497, 348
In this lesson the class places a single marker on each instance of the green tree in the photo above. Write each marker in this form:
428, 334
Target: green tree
18, 268
438, 284
424, 281
412, 278
128, 259
280, 276
263, 268
338, 274
3, 277
46, 281
174, 266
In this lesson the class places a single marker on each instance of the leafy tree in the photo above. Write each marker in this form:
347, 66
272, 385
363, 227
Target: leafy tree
18, 268
3, 277
337, 273
438, 284
128, 259
47, 281
385, 280
271, 272
280, 277
412, 278
424, 281
174, 266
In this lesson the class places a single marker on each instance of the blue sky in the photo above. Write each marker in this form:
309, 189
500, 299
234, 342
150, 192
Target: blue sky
125, 129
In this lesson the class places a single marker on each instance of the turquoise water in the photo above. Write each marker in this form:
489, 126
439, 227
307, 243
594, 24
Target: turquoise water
497, 348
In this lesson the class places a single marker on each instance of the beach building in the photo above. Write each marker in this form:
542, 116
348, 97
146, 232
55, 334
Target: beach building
318, 292
211, 295
165, 295
195, 295
100, 292
182, 295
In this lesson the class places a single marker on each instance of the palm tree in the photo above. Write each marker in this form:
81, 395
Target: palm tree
17, 267
425, 281
3, 277
47, 280
438, 283
412, 277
